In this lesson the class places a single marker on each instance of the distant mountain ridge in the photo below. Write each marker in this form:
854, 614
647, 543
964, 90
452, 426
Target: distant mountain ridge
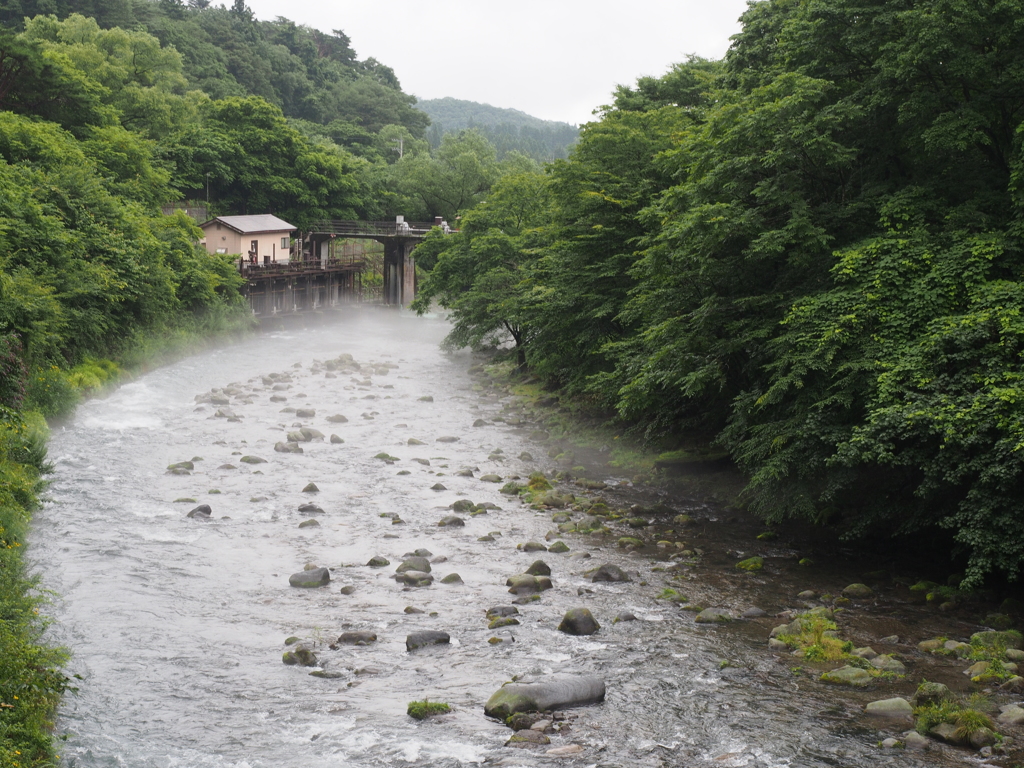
508, 129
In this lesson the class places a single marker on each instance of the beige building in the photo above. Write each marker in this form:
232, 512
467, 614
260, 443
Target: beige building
263, 239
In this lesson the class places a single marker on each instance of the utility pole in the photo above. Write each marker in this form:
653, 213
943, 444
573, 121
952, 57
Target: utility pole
207, 194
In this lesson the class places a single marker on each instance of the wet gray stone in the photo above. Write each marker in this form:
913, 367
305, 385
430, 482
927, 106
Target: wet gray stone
315, 577
426, 638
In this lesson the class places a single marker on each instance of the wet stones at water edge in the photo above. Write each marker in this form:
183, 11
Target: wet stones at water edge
288, 447
858, 592
895, 707
426, 638
714, 616
578, 621
560, 691
314, 577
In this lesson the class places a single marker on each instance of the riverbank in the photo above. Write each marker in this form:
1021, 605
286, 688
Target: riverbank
924, 665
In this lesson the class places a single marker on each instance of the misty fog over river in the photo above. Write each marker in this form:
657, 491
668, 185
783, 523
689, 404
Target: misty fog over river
177, 625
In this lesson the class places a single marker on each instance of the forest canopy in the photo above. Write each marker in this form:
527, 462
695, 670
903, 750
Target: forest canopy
808, 255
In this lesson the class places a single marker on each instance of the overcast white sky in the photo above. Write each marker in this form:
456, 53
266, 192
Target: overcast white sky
554, 59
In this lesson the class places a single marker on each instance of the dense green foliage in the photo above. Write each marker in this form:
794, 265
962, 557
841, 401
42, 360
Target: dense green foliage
808, 253
509, 130
31, 680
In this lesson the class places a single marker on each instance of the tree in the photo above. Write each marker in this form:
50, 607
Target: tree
483, 273
455, 178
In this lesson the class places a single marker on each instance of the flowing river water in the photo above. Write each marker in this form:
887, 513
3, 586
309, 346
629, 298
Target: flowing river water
177, 625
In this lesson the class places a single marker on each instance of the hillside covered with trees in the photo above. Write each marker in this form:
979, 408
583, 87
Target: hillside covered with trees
507, 129
808, 255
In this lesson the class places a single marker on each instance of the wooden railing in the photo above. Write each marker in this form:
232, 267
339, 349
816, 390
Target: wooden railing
371, 228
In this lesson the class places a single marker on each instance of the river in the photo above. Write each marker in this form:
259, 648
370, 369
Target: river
177, 625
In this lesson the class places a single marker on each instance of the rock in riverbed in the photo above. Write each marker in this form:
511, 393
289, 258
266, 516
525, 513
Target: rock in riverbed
428, 637
315, 577
202, 512
356, 638
578, 621
525, 584
608, 572
553, 692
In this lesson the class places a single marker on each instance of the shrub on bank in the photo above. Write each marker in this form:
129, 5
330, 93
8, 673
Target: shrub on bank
31, 677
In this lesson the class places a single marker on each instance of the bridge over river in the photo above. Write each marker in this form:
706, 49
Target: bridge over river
317, 278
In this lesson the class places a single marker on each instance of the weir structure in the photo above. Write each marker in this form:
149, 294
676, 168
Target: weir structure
316, 278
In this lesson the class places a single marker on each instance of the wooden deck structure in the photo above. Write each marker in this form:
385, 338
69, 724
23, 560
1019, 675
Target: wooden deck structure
317, 278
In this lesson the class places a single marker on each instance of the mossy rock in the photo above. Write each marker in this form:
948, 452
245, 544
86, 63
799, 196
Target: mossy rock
302, 657
503, 621
558, 547
384, 456
421, 710
252, 460
751, 564
858, 592
187, 465
848, 675
630, 541
1004, 639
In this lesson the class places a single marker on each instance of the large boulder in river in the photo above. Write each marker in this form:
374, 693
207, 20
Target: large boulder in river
315, 577
553, 692
202, 512
290, 447
578, 621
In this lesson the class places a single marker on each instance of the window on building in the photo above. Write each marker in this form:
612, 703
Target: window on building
284, 243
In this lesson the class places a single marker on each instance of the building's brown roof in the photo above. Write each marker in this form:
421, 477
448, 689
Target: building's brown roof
251, 225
